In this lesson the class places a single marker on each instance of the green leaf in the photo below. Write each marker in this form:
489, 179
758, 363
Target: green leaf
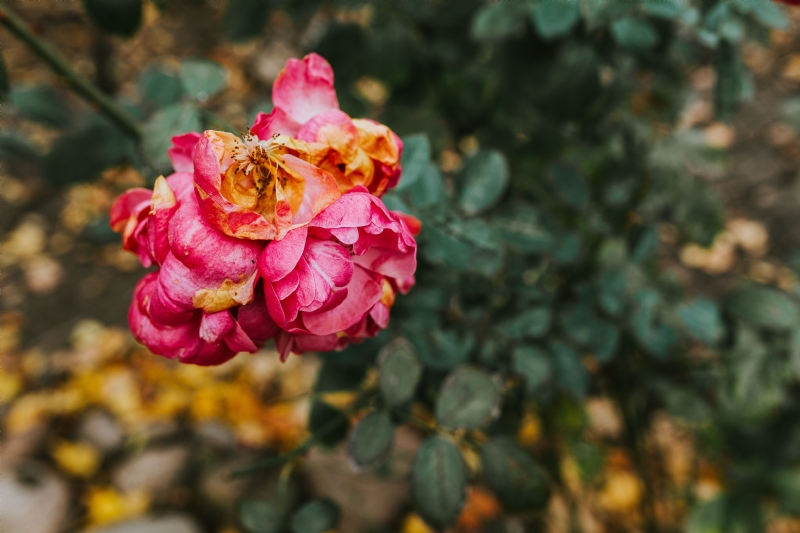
567, 248
702, 320
611, 294
415, 160
438, 482
371, 440
42, 104
794, 353
570, 372
498, 20
582, 326
244, 19
667, 9
17, 148
333, 376
120, 17
260, 517
786, 485
5, 83
429, 188
485, 180
533, 323
645, 242
763, 307
329, 424
554, 18
163, 125
160, 87
84, 154
399, 372
468, 399
202, 78
730, 86
521, 229
442, 349
570, 185
708, 517
656, 338
533, 365
513, 475
634, 33
687, 404
770, 14
317, 516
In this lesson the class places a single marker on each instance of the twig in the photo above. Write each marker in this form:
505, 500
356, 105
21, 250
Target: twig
58, 63
292, 454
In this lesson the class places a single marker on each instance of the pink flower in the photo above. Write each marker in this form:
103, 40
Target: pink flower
200, 338
336, 277
279, 235
354, 151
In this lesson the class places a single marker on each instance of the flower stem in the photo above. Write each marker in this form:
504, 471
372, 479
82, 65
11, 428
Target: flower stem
59, 64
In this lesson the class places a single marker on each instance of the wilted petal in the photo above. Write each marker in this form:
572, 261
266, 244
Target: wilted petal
223, 269
163, 206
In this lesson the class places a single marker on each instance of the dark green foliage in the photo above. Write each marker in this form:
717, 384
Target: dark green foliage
328, 424
5, 83
120, 17
42, 104
468, 399
202, 79
371, 440
400, 370
172, 120
160, 86
317, 516
438, 482
513, 475
83, 154
260, 517
244, 19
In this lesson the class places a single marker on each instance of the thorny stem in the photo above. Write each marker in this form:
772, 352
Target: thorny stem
59, 64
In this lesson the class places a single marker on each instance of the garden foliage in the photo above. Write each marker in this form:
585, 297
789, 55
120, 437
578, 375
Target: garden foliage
538, 283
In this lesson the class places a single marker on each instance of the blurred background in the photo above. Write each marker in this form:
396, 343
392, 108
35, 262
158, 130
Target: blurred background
99, 434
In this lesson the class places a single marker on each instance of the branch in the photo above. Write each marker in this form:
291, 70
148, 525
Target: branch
59, 64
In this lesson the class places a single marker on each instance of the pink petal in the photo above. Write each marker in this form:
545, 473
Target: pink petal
255, 320
182, 151
214, 259
363, 293
265, 126
238, 341
214, 326
304, 88
280, 257
163, 206
331, 260
388, 262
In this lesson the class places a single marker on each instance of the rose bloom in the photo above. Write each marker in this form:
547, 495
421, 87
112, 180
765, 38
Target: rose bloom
280, 235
